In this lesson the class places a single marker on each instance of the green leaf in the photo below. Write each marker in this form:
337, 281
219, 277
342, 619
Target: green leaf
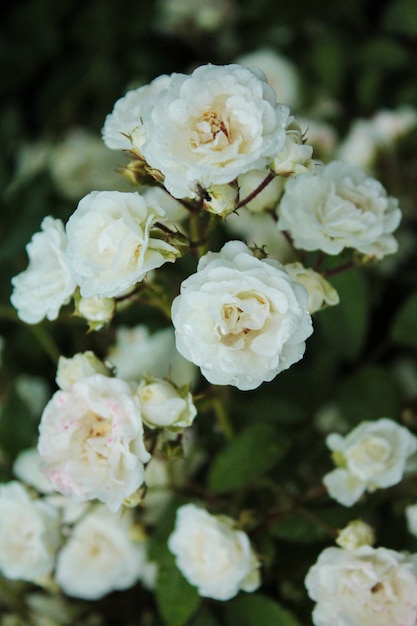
248, 457
204, 618
177, 600
404, 328
257, 610
368, 395
401, 17
298, 529
345, 326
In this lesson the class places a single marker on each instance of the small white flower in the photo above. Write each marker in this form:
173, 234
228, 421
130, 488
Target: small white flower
124, 128
81, 162
280, 73
296, 155
29, 534
221, 199
163, 405
265, 199
355, 535
240, 319
212, 555
46, 285
320, 291
363, 587
138, 352
411, 517
80, 365
111, 246
338, 206
372, 456
207, 128
100, 556
91, 441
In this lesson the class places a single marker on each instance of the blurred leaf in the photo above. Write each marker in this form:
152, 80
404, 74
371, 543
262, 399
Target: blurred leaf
176, 599
404, 328
257, 610
368, 395
18, 429
298, 529
401, 17
345, 326
329, 61
248, 457
203, 618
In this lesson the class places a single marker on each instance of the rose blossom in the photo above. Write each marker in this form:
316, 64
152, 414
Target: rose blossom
91, 441
207, 128
100, 555
29, 534
339, 206
111, 246
138, 352
212, 555
46, 284
373, 455
240, 319
363, 587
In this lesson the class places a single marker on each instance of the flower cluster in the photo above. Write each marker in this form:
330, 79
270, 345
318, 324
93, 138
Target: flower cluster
211, 153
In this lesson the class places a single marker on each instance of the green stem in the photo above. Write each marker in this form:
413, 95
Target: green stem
47, 343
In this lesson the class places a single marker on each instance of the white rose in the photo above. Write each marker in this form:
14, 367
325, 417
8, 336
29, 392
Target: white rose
79, 366
240, 319
46, 284
221, 199
280, 73
81, 162
208, 128
411, 518
138, 352
29, 534
110, 243
165, 405
91, 441
372, 456
100, 556
320, 292
265, 199
368, 586
123, 127
212, 555
339, 206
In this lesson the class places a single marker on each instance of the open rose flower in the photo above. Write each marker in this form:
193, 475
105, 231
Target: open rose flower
91, 441
100, 555
372, 456
29, 534
212, 555
46, 284
363, 587
339, 206
240, 319
207, 128
111, 246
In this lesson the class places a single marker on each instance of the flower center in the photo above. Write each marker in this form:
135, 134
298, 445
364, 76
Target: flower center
211, 128
242, 318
